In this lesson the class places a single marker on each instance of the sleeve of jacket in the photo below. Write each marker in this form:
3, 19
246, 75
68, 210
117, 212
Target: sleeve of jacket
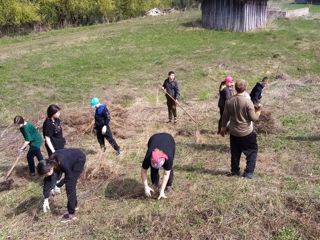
164, 84
255, 94
106, 114
177, 91
48, 184
225, 116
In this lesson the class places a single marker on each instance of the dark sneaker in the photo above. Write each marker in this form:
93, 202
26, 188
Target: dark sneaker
68, 218
168, 189
119, 152
169, 121
234, 174
248, 175
32, 174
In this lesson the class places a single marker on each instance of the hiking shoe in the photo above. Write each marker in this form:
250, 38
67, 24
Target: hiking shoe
68, 218
234, 174
119, 152
168, 189
168, 121
175, 120
248, 175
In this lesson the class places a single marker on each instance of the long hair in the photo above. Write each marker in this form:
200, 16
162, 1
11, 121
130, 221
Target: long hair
46, 165
52, 110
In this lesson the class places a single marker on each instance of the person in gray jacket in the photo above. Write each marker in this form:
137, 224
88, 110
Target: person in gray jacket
171, 86
239, 110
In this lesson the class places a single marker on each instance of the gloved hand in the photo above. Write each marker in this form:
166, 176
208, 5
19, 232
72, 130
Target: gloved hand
104, 130
162, 195
147, 191
55, 191
46, 206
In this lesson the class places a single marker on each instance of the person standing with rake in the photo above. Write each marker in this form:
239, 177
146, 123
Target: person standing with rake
171, 86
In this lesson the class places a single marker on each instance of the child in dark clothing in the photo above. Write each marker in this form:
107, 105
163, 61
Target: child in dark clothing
102, 119
32, 138
256, 92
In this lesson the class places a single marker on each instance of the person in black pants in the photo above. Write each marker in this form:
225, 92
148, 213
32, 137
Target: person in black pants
69, 161
54, 140
160, 153
102, 120
52, 130
171, 86
32, 138
239, 112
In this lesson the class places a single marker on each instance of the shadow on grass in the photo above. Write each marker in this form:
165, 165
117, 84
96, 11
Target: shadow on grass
222, 148
198, 169
33, 207
193, 24
124, 189
313, 138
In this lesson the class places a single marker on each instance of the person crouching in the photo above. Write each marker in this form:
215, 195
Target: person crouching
160, 153
69, 161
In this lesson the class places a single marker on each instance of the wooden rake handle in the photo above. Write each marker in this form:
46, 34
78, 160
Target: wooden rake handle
179, 105
13, 166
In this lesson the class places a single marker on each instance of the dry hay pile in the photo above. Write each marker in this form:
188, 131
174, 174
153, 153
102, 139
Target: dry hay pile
81, 121
266, 123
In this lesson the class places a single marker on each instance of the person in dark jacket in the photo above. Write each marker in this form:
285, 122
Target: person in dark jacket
171, 86
225, 93
160, 153
69, 161
54, 139
32, 138
102, 120
257, 91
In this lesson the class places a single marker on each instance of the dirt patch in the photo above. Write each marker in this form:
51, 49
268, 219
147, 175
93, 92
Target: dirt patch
6, 185
96, 173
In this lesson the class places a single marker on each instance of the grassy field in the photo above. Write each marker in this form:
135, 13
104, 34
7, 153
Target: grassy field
124, 63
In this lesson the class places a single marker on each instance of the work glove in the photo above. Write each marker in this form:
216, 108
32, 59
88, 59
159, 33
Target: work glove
46, 206
147, 191
162, 195
104, 130
55, 191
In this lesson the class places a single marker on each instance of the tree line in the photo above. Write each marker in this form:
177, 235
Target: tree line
20, 15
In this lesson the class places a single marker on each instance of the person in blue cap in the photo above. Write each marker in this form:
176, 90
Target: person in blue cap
102, 120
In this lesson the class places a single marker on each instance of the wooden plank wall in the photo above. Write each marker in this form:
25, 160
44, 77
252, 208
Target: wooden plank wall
234, 15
